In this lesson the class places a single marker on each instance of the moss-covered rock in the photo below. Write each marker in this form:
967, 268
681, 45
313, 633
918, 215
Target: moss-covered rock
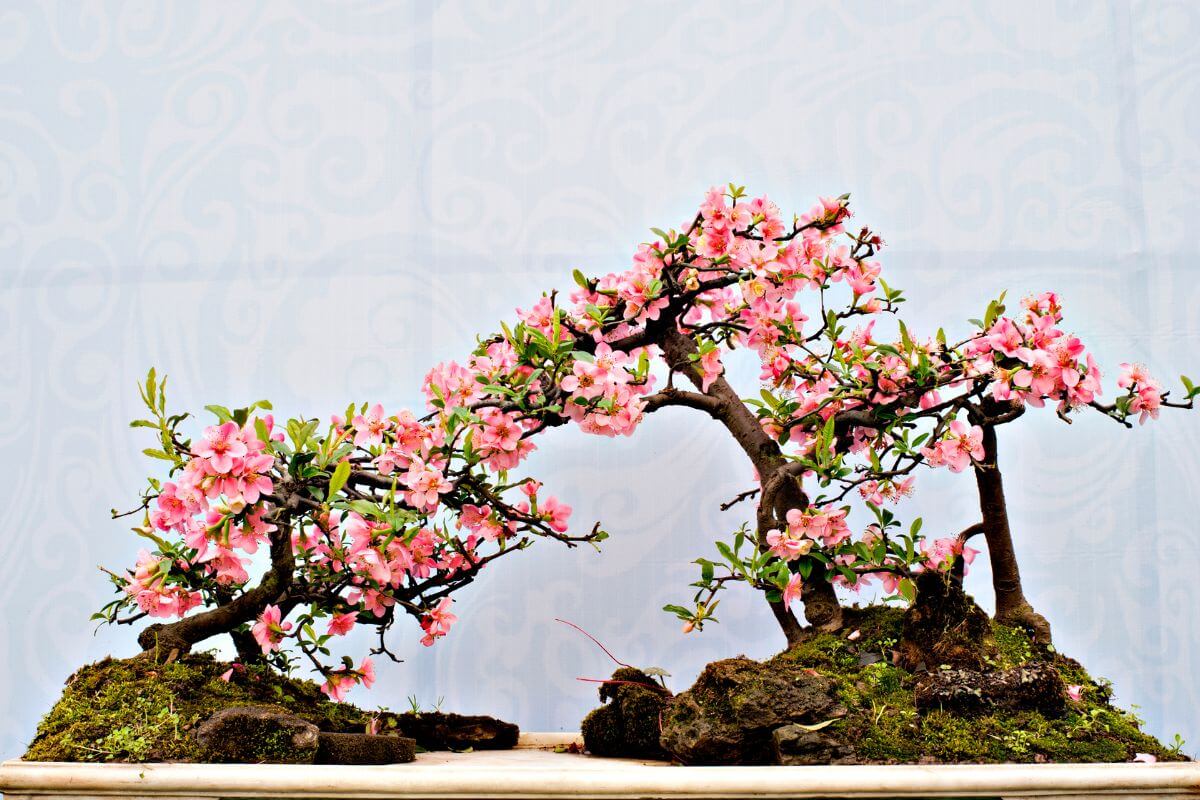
731, 712
257, 735
884, 725
139, 710
628, 726
944, 627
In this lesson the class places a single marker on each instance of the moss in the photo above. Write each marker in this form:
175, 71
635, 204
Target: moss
628, 726
883, 725
139, 710
1013, 645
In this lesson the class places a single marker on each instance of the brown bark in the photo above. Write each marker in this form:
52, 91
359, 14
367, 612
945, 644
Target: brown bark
1011, 606
168, 640
781, 490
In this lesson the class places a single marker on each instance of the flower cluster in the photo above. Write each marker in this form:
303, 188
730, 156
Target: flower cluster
961, 446
369, 518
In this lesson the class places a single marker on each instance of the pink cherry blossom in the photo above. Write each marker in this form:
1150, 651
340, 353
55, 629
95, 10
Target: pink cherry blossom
370, 427
426, 484
793, 590
556, 513
220, 446
149, 587
270, 629
437, 621
961, 445
341, 624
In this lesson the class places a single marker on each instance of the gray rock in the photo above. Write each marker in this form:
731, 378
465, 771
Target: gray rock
798, 746
729, 714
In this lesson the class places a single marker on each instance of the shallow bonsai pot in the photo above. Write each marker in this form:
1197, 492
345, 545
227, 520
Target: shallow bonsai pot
535, 770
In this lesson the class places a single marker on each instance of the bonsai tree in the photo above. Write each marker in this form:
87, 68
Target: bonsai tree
373, 515
841, 410
383, 512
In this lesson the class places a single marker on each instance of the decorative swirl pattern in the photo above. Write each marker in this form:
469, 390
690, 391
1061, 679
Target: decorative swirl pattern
317, 201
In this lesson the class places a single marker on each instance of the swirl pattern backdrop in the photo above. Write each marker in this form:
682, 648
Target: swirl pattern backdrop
315, 202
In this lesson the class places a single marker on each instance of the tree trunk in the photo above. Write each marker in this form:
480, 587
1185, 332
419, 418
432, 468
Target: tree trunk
780, 490
822, 609
171, 639
1011, 606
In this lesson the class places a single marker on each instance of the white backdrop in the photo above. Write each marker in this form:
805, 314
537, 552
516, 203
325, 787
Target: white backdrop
316, 202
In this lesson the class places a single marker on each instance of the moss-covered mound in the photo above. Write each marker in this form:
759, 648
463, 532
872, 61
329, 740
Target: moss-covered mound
857, 697
139, 710
883, 724
628, 726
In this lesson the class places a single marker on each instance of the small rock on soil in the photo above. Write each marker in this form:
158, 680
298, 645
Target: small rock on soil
257, 735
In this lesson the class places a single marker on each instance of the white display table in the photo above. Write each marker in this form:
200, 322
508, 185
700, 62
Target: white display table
534, 770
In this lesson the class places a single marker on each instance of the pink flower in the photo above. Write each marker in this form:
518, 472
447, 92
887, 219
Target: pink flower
1145, 758
1075, 692
586, 380
339, 682
149, 587
341, 624
788, 545
943, 552
793, 590
710, 367
220, 446
1005, 337
270, 629
369, 428
253, 480
425, 483
958, 448
366, 672
1132, 375
555, 512
171, 511
437, 621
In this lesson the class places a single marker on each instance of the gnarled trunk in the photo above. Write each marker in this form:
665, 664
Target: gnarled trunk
171, 639
781, 490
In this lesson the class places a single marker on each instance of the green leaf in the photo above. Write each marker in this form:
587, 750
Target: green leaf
158, 454
150, 389
338, 479
678, 611
221, 412
580, 279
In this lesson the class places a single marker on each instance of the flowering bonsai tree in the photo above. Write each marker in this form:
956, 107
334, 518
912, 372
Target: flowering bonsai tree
843, 412
373, 515
384, 512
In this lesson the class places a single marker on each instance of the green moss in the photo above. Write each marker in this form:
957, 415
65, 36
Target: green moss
883, 725
1013, 645
139, 710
